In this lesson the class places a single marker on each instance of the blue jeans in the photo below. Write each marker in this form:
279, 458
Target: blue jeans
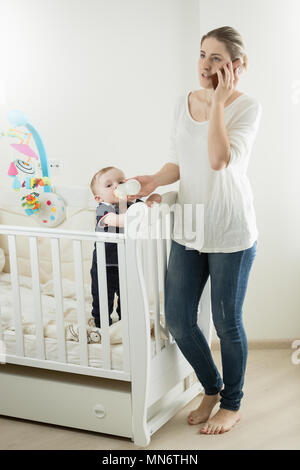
186, 276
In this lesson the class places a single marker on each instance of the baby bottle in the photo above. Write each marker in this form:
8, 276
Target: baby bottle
129, 188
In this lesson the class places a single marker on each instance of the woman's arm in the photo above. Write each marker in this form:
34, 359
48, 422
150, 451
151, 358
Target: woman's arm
218, 142
168, 174
231, 146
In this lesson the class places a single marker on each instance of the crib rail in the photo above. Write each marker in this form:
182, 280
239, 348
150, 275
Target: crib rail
56, 233
76, 238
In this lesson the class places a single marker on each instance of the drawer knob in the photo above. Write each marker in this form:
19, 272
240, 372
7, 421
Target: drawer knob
99, 411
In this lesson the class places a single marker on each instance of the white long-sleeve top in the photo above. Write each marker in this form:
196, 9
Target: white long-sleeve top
224, 197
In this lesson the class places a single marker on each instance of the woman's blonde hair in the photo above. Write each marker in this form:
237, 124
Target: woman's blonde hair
233, 42
96, 176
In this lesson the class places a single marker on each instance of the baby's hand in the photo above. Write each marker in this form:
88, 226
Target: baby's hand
155, 197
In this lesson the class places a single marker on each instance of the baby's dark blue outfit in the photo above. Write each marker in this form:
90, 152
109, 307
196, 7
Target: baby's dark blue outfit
112, 269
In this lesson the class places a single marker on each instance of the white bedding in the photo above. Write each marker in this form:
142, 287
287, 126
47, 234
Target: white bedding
47, 300
95, 350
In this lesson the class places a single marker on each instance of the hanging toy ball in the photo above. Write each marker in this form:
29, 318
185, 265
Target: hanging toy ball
52, 211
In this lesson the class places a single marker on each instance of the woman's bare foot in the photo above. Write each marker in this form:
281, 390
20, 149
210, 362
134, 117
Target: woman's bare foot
202, 413
222, 421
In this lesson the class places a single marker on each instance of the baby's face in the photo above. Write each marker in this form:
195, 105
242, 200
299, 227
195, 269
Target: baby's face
106, 185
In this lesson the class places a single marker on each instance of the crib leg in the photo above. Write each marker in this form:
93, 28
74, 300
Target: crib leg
140, 428
141, 439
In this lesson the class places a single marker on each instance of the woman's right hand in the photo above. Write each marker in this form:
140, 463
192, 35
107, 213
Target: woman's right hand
148, 185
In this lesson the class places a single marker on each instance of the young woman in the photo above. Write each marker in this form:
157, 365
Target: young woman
211, 141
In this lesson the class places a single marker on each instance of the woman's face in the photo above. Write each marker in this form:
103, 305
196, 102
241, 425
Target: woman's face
213, 55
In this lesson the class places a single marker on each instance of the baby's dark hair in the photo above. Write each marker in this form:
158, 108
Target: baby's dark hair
96, 176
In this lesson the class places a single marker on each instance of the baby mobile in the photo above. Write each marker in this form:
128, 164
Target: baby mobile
47, 207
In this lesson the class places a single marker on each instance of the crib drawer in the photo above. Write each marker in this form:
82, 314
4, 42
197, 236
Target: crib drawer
95, 404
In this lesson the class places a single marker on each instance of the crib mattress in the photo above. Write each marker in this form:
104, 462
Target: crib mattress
95, 351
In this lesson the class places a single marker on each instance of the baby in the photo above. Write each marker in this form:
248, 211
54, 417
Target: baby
109, 219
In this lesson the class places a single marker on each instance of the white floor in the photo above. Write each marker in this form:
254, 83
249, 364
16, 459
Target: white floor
270, 417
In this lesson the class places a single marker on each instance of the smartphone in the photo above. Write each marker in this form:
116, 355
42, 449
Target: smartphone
214, 78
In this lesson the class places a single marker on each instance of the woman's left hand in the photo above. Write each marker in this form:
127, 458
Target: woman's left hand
227, 85
155, 197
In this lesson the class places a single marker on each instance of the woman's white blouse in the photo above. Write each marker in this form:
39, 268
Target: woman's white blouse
214, 211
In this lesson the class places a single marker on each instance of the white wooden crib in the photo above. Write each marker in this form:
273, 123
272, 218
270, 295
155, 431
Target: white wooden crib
153, 382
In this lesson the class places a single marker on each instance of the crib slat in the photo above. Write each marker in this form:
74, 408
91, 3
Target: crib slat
124, 307
60, 325
168, 221
167, 231
162, 265
147, 271
167, 225
80, 303
152, 236
145, 251
160, 248
34, 259
155, 283
16, 294
103, 303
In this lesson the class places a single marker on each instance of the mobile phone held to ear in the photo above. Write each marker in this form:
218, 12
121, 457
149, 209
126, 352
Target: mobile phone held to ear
214, 78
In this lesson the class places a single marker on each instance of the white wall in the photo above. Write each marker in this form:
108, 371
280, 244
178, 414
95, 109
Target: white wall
99, 80
270, 29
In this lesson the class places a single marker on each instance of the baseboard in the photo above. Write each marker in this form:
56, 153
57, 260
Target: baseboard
261, 344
